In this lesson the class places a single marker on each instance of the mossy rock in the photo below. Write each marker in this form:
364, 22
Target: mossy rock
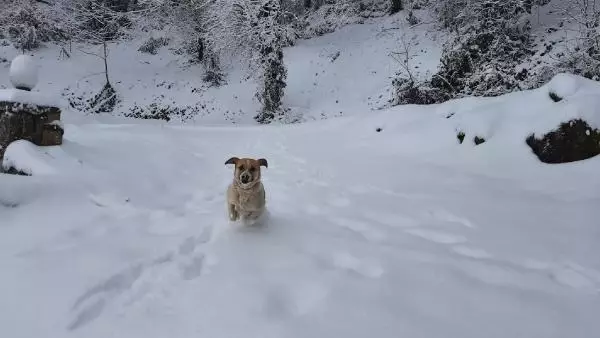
461, 137
572, 141
554, 97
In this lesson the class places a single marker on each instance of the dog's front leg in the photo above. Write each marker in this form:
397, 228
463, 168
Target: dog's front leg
233, 213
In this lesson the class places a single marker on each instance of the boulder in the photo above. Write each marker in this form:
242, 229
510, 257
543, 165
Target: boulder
572, 141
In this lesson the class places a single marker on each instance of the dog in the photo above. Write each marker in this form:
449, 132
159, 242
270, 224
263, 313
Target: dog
246, 198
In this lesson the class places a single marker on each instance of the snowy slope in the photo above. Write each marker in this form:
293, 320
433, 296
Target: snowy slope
122, 231
356, 81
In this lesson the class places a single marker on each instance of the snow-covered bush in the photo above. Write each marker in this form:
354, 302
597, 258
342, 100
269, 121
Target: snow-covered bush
326, 16
104, 101
94, 22
26, 26
488, 40
481, 58
165, 111
152, 45
201, 32
407, 91
254, 30
583, 51
213, 75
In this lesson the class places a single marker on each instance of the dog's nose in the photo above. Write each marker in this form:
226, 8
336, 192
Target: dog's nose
245, 178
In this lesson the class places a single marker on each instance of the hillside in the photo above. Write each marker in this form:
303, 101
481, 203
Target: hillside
344, 73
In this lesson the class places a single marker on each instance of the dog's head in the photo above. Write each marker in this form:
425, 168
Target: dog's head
247, 170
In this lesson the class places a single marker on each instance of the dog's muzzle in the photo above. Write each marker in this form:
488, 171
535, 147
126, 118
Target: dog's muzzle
245, 178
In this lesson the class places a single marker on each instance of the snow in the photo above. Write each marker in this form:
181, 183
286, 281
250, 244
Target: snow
564, 85
23, 72
123, 231
31, 159
27, 97
513, 117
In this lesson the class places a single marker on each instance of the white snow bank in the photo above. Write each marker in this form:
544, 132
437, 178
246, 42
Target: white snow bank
25, 97
564, 84
33, 160
517, 115
507, 119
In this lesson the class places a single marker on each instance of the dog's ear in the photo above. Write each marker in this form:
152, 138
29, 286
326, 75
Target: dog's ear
232, 160
263, 162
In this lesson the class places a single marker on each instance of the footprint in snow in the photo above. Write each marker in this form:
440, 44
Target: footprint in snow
312, 209
348, 262
90, 304
188, 246
437, 236
500, 274
338, 201
362, 228
471, 252
390, 219
576, 277
448, 217
194, 268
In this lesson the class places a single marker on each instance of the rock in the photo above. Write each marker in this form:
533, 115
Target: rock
52, 134
572, 141
37, 124
478, 140
554, 97
461, 137
23, 72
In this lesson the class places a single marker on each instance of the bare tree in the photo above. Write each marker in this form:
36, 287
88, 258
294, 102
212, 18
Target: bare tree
583, 25
95, 23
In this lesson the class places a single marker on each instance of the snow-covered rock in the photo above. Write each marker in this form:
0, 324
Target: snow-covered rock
25, 157
26, 97
23, 72
564, 85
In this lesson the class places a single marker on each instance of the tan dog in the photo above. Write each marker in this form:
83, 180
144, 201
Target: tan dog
246, 194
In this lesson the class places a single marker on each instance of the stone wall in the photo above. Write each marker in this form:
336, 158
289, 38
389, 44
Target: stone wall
37, 124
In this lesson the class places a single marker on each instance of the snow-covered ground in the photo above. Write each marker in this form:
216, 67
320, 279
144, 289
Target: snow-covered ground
380, 223
122, 231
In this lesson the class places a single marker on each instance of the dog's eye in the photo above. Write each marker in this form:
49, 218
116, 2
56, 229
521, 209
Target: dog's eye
252, 169
241, 167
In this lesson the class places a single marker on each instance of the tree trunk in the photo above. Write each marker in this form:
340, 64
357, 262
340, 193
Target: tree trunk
200, 49
396, 6
105, 60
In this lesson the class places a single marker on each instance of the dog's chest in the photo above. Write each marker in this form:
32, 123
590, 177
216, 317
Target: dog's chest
244, 197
